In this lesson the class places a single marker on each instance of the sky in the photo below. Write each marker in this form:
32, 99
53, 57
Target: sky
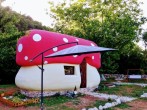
144, 8
38, 9
35, 8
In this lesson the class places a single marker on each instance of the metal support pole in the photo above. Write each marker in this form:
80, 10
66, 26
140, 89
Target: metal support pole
42, 69
42, 60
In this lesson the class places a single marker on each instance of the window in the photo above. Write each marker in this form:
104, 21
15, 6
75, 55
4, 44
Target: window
69, 70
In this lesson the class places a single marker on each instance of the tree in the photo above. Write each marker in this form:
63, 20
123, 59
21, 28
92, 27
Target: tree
109, 23
144, 37
12, 26
1, 2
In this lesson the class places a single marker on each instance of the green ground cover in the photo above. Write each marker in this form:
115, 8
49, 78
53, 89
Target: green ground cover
59, 102
125, 90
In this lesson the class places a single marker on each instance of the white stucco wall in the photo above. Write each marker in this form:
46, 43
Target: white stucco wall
29, 78
93, 77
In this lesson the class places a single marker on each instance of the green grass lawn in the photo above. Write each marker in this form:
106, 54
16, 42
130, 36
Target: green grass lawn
125, 90
7, 86
56, 103
50, 103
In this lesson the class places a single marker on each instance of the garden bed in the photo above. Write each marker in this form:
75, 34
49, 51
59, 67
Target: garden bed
16, 99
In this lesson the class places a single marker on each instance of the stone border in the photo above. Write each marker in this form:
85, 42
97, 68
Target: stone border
38, 93
117, 99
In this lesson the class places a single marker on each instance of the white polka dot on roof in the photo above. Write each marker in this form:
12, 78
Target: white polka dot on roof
37, 37
26, 57
75, 55
77, 40
93, 57
55, 49
20, 47
45, 62
65, 40
92, 44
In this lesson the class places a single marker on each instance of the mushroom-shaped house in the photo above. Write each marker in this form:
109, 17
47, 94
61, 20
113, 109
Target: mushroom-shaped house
60, 73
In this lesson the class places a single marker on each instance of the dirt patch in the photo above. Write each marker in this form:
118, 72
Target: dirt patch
5, 107
138, 105
12, 89
135, 105
82, 102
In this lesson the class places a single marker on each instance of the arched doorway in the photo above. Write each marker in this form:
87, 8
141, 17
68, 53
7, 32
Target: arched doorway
83, 74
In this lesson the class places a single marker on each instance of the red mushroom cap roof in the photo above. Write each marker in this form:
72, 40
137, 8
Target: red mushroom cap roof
39, 40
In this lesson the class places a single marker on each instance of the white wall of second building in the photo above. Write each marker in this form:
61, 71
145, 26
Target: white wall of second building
93, 77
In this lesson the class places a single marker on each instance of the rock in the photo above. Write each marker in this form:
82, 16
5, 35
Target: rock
95, 108
75, 92
126, 99
142, 96
114, 103
108, 105
123, 99
104, 107
83, 108
62, 92
70, 94
90, 109
100, 107
142, 85
145, 94
114, 97
10, 97
118, 100
112, 86
4, 98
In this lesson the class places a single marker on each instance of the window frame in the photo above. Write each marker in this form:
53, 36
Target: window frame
69, 70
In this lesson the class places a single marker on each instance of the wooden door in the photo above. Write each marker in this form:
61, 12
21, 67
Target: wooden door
83, 74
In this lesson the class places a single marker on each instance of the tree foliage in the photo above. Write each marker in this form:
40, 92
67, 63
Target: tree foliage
144, 37
134, 59
109, 23
12, 26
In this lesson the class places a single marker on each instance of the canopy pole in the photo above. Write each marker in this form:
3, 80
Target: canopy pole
42, 69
